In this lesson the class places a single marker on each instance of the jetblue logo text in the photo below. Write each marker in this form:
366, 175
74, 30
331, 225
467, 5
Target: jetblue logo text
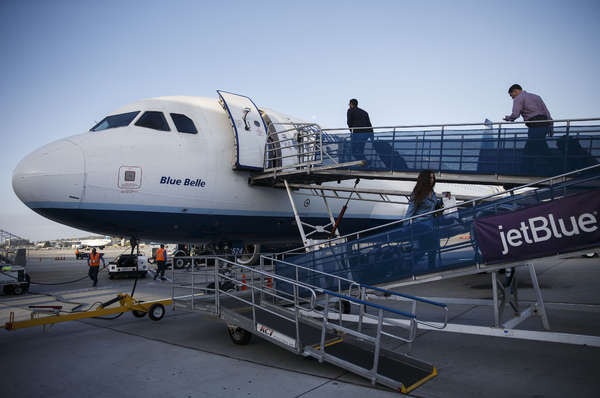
540, 229
552, 227
188, 182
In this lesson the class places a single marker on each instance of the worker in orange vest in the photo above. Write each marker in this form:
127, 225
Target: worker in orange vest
161, 259
94, 265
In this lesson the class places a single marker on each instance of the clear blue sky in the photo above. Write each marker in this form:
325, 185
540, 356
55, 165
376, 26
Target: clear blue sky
66, 64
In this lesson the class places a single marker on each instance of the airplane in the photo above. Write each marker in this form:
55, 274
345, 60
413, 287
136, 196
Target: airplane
98, 242
176, 169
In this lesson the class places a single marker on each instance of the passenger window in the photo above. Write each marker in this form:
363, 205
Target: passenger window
183, 123
153, 120
120, 120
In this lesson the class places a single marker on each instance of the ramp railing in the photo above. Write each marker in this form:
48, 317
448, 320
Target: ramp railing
497, 148
346, 292
299, 146
429, 243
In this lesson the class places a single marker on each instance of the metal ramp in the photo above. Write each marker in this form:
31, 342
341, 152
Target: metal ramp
307, 320
494, 153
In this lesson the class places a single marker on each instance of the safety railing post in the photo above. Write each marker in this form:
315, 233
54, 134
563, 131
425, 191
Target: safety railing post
340, 305
496, 168
413, 311
321, 145
193, 288
462, 150
361, 310
216, 276
324, 327
393, 149
441, 150
377, 346
566, 147
252, 287
297, 318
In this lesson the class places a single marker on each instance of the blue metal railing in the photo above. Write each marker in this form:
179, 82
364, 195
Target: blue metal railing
496, 149
413, 247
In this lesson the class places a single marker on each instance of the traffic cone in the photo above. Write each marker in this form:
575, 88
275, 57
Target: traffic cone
244, 287
269, 282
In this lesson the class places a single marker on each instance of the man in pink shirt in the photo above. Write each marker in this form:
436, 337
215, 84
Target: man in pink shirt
532, 108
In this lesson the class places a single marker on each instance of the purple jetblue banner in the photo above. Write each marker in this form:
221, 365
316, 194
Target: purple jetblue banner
559, 226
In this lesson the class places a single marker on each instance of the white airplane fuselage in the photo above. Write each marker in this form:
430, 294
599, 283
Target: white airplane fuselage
183, 188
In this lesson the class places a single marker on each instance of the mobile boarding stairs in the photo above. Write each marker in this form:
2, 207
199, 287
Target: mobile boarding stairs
334, 302
330, 300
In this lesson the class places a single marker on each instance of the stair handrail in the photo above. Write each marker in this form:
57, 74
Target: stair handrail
413, 298
265, 274
501, 123
316, 152
361, 285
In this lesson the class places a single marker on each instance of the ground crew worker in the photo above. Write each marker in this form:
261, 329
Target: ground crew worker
77, 254
161, 259
94, 265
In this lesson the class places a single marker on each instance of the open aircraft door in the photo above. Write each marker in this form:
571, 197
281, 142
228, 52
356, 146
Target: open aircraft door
249, 129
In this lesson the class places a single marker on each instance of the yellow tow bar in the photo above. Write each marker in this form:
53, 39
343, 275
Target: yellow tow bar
155, 310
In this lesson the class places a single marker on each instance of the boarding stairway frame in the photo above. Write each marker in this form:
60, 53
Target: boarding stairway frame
256, 301
503, 295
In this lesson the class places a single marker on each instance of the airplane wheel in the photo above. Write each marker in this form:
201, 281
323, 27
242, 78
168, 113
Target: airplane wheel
138, 314
18, 290
238, 335
178, 263
346, 308
156, 312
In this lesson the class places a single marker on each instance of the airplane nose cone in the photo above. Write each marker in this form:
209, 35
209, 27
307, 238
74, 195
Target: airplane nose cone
52, 176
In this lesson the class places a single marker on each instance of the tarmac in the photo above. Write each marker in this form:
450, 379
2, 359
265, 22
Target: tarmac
190, 354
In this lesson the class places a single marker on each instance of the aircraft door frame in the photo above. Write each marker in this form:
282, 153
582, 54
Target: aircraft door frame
249, 129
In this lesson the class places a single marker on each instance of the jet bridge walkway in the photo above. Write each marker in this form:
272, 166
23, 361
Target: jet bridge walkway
307, 320
498, 153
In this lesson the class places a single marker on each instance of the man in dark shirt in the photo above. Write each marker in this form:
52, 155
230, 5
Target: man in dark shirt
357, 118
532, 108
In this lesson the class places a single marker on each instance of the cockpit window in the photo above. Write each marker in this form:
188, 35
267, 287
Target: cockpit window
153, 120
183, 123
112, 121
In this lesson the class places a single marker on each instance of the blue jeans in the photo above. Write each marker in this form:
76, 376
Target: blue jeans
426, 235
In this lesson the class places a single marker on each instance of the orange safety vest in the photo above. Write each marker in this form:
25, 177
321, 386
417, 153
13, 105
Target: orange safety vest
160, 254
77, 251
94, 260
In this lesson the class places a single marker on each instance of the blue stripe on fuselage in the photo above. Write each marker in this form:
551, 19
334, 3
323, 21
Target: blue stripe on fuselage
191, 227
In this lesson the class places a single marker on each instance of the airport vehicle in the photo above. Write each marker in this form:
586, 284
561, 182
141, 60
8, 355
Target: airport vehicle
202, 195
14, 279
128, 265
80, 254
